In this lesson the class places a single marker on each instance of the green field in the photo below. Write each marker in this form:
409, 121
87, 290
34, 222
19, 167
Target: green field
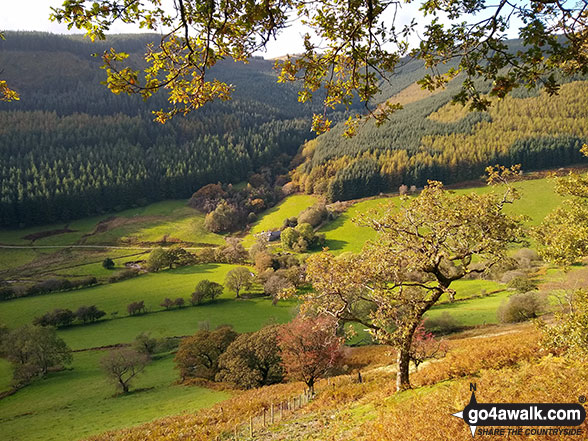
274, 218
145, 224
537, 200
48, 410
77, 403
244, 315
472, 312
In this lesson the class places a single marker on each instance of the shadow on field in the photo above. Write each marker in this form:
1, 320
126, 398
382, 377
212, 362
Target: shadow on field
336, 245
203, 268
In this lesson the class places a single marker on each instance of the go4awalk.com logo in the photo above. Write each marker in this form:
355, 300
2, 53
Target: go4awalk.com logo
490, 418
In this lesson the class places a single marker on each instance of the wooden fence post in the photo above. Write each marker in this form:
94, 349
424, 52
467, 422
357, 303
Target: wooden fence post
251, 426
272, 413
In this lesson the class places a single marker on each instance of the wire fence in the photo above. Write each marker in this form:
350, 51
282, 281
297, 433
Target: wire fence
265, 417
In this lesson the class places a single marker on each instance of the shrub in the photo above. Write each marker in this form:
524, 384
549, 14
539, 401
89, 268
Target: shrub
6, 293
167, 303
89, 313
123, 275
521, 307
314, 215
108, 263
442, 324
179, 302
523, 284
57, 317
290, 222
509, 275
135, 308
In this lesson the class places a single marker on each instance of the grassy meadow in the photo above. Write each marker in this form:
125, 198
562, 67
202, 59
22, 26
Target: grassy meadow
79, 402
274, 218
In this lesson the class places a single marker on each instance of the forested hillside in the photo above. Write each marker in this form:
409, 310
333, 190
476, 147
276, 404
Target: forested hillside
433, 139
70, 148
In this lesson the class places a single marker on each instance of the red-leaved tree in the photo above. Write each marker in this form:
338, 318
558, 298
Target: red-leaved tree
309, 348
425, 346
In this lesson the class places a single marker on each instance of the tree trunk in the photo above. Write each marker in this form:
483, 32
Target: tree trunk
310, 384
125, 386
403, 364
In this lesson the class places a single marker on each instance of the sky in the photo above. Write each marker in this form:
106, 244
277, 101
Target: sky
33, 15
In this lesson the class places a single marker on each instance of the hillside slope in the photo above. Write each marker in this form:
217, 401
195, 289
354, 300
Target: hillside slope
70, 148
432, 139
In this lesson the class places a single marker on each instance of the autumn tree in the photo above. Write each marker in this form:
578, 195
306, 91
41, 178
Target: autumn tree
423, 245
424, 346
569, 330
168, 258
563, 234
356, 47
206, 290
309, 347
32, 351
252, 360
122, 365
198, 355
276, 284
167, 303
239, 279
6, 93
223, 218
135, 308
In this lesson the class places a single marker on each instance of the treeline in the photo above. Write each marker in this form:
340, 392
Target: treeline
70, 148
431, 139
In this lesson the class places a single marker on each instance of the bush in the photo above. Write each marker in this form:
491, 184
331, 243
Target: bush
314, 215
89, 313
290, 222
301, 238
443, 324
512, 274
108, 263
521, 307
6, 293
123, 275
136, 308
57, 317
167, 303
523, 284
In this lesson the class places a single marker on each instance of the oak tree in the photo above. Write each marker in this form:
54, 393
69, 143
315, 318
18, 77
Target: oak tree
252, 360
239, 279
422, 247
122, 365
198, 355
